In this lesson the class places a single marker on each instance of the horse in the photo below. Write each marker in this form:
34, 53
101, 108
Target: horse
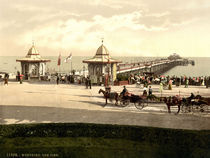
110, 95
173, 101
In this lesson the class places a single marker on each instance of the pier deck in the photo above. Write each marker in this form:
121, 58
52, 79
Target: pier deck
155, 66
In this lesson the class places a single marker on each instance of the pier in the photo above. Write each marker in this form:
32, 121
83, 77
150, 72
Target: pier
155, 66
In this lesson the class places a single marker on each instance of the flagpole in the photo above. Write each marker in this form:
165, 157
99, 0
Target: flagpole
59, 62
59, 68
71, 63
71, 67
66, 60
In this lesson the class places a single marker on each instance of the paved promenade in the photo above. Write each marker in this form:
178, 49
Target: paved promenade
48, 102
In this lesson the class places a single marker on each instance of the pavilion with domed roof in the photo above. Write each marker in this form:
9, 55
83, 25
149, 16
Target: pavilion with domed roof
102, 66
33, 66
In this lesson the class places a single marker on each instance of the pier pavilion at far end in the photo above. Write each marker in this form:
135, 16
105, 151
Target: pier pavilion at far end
102, 68
33, 66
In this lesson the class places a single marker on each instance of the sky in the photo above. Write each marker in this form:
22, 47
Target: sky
129, 28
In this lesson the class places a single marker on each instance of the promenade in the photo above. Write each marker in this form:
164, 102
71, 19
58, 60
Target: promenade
46, 102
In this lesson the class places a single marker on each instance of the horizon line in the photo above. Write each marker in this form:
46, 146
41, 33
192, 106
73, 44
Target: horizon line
111, 56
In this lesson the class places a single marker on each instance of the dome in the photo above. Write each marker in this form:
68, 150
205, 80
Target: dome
33, 56
102, 50
102, 56
33, 51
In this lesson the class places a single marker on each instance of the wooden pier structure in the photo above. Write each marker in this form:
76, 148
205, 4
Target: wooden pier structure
154, 67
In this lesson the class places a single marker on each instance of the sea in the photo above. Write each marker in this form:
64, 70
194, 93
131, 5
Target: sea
201, 67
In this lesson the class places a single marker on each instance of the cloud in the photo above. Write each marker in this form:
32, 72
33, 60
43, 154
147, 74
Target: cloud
129, 27
82, 34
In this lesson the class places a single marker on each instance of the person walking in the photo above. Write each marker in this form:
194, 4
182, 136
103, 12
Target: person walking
161, 88
150, 90
207, 82
18, 76
21, 78
186, 83
58, 79
145, 91
6, 77
89, 83
170, 85
86, 82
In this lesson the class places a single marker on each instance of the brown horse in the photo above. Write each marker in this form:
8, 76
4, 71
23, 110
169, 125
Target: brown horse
173, 101
111, 96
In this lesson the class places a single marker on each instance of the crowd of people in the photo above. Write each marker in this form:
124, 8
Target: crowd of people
145, 80
171, 80
166, 82
146, 91
70, 79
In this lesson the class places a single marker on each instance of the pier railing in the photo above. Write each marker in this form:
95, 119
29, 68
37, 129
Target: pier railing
150, 66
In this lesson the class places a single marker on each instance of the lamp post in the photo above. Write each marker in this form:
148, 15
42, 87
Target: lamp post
108, 88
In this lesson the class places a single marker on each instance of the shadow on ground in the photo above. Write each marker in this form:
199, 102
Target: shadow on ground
90, 102
28, 114
88, 96
15, 114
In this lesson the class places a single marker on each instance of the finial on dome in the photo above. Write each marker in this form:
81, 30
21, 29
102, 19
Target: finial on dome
32, 42
102, 40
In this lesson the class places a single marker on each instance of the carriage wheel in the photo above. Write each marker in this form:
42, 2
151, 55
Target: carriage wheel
195, 108
124, 103
190, 108
139, 104
186, 108
145, 102
183, 107
203, 108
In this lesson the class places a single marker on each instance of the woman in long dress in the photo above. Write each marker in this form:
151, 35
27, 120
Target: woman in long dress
170, 85
161, 87
6, 79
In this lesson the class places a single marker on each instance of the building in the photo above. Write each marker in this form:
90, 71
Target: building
102, 69
33, 65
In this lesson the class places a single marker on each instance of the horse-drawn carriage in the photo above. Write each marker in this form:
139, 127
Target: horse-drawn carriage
190, 104
125, 99
139, 101
195, 104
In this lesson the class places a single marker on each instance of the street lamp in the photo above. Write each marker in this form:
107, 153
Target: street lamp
108, 88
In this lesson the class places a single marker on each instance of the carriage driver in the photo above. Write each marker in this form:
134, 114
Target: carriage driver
124, 91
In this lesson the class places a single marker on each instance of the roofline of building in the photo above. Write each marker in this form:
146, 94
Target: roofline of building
100, 54
33, 54
33, 61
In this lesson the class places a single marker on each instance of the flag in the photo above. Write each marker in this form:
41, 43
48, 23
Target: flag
59, 59
68, 58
